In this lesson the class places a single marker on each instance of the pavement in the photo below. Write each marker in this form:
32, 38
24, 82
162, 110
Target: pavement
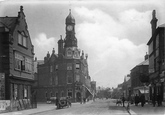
41, 107
148, 109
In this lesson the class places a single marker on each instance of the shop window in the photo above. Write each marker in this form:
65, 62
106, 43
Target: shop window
15, 91
25, 92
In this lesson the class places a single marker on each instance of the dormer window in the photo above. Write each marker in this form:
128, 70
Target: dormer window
69, 53
22, 39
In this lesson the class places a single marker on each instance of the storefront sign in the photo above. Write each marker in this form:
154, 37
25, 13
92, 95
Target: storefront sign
4, 105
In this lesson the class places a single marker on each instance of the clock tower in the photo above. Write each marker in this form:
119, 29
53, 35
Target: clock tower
70, 39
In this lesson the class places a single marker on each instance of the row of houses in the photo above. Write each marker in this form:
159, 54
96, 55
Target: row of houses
148, 77
24, 81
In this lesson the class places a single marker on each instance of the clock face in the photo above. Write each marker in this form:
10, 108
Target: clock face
69, 28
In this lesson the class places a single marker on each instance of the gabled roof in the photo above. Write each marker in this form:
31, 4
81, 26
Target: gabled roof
146, 62
9, 22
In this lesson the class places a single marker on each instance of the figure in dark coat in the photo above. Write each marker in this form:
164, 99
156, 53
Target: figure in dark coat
57, 103
123, 100
136, 100
142, 99
153, 100
159, 99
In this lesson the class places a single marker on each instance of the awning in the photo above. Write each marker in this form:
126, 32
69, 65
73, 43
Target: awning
88, 92
144, 91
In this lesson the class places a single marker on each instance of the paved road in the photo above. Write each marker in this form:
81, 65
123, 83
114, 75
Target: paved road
99, 107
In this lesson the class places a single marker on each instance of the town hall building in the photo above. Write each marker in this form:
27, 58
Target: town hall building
66, 73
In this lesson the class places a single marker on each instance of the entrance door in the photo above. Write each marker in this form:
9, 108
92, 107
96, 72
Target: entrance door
78, 97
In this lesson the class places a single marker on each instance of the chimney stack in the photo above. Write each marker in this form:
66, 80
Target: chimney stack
153, 21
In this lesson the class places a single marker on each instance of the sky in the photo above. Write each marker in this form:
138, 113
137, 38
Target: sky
114, 33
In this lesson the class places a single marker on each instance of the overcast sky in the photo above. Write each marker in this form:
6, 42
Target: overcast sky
114, 33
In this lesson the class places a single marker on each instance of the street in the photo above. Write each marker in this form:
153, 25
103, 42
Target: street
99, 107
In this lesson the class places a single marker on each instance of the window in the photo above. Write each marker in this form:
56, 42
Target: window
19, 38
62, 93
70, 93
22, 40
28, 64
56, 80
25, 92
69, 53
69, 66
69, 77
51, 80
56, 67
56, 94
23, 63
15, 91
78, 78
51, 69
19, 61
77, 66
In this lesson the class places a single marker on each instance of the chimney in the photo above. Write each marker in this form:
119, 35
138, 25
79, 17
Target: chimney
153, 21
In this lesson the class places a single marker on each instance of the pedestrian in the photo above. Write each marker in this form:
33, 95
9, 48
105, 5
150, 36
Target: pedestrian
68, 101
136, 100
153, 100
142, 99
158, 99
57, 102
123, 100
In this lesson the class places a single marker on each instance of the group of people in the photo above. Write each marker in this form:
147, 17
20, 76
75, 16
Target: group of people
157, 98
139, 99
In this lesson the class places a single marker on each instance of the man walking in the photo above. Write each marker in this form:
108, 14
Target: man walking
123, 100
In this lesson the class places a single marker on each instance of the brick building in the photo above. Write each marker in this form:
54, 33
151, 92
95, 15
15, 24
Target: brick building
156, 46
139, 78
16, 61
66, 73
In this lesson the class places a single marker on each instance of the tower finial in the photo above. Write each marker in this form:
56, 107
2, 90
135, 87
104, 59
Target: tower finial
70, 11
